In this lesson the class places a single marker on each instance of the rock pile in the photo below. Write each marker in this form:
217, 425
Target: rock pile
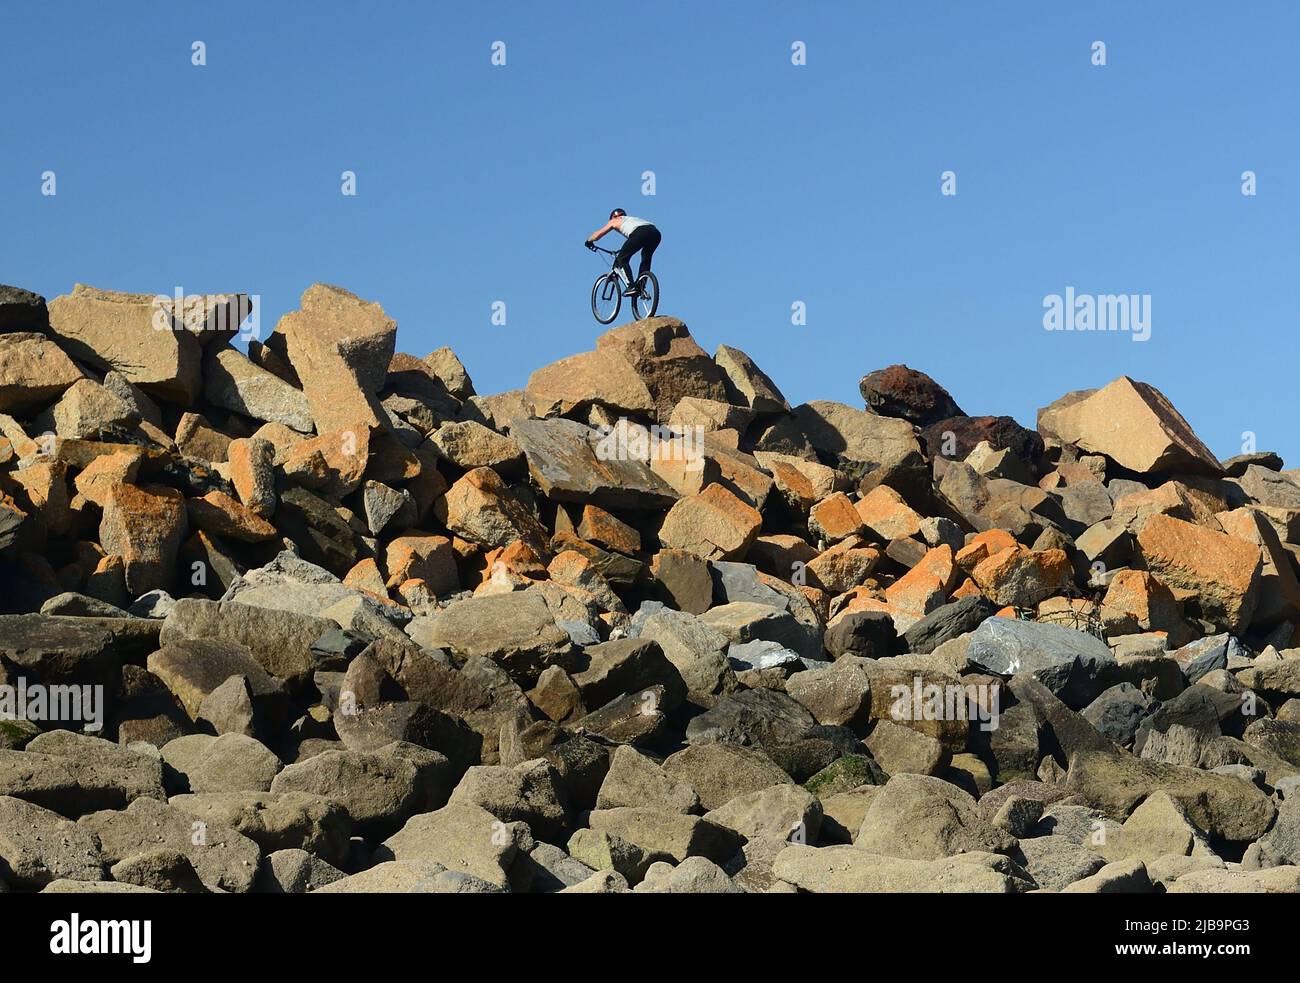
319, 617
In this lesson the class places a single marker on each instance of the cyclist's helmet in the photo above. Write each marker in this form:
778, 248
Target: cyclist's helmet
616, 213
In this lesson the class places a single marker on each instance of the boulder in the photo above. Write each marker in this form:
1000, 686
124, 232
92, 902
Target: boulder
38, 846
1221, 573
223, 859
909, 394
1133, 424
1217, 804
852, 870
154, 341
919, 817
340, 347
234, 383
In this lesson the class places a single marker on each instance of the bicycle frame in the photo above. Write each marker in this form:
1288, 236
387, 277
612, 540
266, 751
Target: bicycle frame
616, 270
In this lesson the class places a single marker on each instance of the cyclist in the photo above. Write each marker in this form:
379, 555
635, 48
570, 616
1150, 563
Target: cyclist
639, 234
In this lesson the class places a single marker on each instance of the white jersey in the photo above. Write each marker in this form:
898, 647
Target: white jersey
630, 224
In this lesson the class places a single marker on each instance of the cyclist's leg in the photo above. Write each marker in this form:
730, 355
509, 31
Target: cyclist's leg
652, 239
622, 259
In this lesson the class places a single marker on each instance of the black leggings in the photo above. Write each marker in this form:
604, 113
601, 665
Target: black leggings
646, 239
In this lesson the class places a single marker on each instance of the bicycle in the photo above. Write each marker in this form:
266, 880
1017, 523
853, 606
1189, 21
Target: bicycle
607, 292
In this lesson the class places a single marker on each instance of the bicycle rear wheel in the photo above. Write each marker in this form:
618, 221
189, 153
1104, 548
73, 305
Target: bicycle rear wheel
606, 297
646, 300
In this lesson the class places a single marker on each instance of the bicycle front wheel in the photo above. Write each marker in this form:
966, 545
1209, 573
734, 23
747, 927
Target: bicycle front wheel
646, 300
606, 297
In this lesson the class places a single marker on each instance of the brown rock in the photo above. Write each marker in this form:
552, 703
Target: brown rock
472, 445
340, 346
480, 507
666, 358
601, 377
1137, 596
450, 372
252, 474
145, 526
714, 524
956, 437
1221, 572
887, 515
710, 414
924, 587
424, 557
686, 578
908, 393
333, 463
155, 341
834, 518
844, 566
571, 569
33, 371
1279, 592
47, 491
1022, 577
365, 575
746, 383
599, 527
1133, 424
196, 438
983, 545
220, 515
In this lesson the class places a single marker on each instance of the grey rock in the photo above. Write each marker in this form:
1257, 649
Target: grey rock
38, 846
530, 792
1056, 862
720, 772
79, 605
72, 774
668, 836
850, 869
1075, 666
602, 850
1117, 712
164, 870
565, 461
229, 763
277, 820
232, 382
762, 654
694, 875
1121, 877
295, 872
1207, 654
155, 604
556, 870
223, 859
461, 837
751, 718
948, 622
635, 779
279, 640
380, 790
919, 817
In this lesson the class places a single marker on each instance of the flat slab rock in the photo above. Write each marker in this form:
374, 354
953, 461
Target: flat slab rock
570, 463
849, 869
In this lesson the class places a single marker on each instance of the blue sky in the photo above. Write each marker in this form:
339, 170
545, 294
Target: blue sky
774, 183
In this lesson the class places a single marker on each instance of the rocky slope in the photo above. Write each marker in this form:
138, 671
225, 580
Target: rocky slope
641, 625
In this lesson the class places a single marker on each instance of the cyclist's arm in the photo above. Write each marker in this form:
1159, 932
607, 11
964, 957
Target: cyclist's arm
601, 231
